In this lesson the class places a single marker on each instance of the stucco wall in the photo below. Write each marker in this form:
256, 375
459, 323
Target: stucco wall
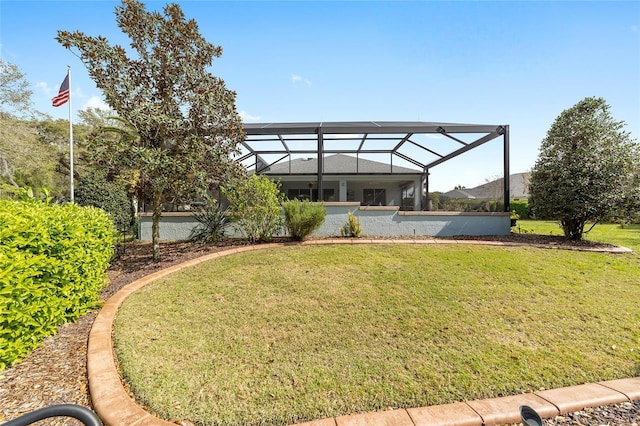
375, 221
173, 226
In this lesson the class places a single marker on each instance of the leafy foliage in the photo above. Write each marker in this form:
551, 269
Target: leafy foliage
95, 190
25, 159
521, 208
254, 206
301, 218
181, 122
352, 227
15, 94
213, 219
587, 168
53, 261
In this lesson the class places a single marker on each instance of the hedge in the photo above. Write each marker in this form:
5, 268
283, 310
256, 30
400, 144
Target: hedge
95, 190
521, 208
53, 261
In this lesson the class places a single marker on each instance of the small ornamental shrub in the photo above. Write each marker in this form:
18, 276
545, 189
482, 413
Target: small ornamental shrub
521, 208
352, 227
254, 206
301, 218
53, 261
213, 219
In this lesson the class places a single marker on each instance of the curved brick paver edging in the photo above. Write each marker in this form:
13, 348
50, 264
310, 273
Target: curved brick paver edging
116, 408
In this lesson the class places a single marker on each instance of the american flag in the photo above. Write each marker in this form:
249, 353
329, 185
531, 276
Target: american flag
63, 94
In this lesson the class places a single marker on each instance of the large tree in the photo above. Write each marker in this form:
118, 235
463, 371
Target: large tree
15, 91
586, 169
27, 159
185, 118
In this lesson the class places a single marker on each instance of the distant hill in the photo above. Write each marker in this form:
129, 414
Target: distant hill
518, 188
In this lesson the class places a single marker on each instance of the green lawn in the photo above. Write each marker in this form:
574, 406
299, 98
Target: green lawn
303, 332
627, 236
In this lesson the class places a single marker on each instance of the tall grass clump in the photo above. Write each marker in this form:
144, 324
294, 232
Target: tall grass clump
301, 218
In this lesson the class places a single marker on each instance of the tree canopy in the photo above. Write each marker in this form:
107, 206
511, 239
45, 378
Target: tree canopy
587, 168
27, 156
15, 93
184, 118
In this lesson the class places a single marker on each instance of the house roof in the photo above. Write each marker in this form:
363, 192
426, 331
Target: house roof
518, 184
337, 164
460, 194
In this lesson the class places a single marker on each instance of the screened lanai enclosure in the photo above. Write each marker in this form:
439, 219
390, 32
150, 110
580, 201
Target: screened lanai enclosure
377, 171
362, 161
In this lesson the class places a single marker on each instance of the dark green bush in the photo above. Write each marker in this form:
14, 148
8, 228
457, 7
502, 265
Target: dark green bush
95, 190
301, 218
213, 219
521, 208
53, 261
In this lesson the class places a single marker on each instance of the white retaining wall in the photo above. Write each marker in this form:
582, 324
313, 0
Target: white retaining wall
383, 221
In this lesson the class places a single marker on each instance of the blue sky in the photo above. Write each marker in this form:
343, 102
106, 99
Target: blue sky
515, 63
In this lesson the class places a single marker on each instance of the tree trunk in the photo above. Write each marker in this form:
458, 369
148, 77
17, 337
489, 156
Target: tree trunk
155, 225
573, 229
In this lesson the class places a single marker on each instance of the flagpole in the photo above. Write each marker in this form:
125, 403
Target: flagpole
70, 139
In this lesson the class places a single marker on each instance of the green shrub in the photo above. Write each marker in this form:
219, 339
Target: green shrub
352, 227
213, 219
254, 206
95, 190
521, 208
53, 261
301, 218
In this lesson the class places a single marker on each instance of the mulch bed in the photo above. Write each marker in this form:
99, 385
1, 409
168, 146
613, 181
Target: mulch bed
55, 373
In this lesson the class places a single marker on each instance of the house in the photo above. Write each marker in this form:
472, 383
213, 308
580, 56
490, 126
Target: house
348, 178
336, 162
518, 184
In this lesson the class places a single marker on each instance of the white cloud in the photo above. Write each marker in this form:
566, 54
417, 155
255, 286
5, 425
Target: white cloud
95, 102
77, 93
295, 78
248, 117
44, 87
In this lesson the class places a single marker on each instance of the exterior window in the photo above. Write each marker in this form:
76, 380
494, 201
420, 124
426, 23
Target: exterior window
309, 194
407, 197
300, 194
328, 193
374, 197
